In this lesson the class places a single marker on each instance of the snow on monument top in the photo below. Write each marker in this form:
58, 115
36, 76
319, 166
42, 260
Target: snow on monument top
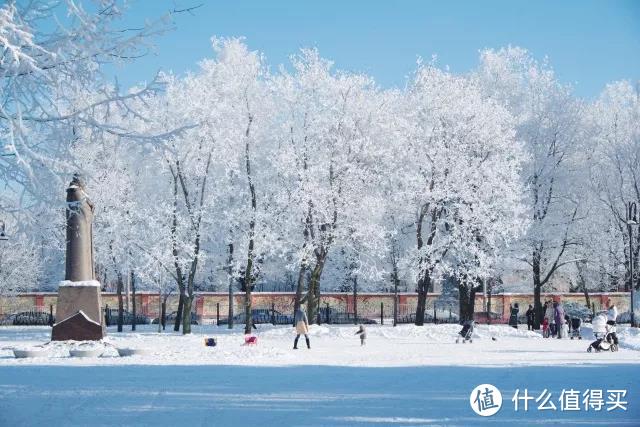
82, 283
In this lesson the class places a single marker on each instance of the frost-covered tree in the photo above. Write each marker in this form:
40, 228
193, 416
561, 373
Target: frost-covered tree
614, 177
52, 57
21, 263
547, 119
459, 172
326, 163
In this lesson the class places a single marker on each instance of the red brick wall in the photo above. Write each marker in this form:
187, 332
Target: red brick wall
208, 303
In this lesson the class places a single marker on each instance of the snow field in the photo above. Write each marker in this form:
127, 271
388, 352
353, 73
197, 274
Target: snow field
404, 376
404, 345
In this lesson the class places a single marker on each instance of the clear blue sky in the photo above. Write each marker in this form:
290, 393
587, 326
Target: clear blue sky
589, 43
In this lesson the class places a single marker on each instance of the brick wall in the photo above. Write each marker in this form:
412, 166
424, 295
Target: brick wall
207, 304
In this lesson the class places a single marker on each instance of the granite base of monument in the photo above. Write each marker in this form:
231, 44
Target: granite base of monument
78, 312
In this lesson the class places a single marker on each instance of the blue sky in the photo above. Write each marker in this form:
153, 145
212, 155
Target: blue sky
589, 43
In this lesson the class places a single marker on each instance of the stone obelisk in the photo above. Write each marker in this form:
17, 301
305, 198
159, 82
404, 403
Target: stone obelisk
79, 309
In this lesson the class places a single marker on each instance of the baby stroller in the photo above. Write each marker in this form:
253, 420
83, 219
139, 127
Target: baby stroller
575, 323
466, 332
604, 334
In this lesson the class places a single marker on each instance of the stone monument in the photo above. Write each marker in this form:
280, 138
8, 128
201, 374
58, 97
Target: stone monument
79, 309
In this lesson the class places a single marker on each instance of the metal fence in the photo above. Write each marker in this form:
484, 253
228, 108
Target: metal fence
32, 316
444, 313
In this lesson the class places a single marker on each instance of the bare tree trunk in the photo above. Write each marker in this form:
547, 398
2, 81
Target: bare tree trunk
537, 290
160, 319
164, 312
423, 286
425, 280
396, 280
186, 314
178, 320
231, 301
303, 263
174, 248
133, 304
314, 289
248, 274
120, 301
467, 300
299, 287
582, 283
355, 300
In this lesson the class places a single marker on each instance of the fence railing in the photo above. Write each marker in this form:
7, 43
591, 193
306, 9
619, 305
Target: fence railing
31, 316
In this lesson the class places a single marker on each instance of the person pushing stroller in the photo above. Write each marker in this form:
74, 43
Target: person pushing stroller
605, 333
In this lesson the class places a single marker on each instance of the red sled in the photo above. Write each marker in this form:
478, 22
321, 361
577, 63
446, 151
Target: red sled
250, 340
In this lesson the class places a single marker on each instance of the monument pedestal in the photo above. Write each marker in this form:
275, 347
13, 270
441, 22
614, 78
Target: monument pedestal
79, 312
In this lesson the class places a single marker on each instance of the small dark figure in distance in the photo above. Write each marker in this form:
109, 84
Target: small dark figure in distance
363, 334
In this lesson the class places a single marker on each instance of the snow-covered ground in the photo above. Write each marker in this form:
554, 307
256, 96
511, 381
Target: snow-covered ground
405, 345
403, 376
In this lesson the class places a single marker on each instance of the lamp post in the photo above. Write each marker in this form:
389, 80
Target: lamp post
632, 221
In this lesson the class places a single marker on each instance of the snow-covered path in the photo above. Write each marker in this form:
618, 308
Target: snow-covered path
405, 376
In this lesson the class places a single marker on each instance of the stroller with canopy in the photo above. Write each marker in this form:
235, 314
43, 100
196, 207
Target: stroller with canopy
466, 332
605, 335
575, 324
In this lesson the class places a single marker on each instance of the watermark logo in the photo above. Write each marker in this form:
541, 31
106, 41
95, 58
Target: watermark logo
485, 400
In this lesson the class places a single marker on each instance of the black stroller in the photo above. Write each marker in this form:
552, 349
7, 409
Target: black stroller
575, 323
466, 332
606, 343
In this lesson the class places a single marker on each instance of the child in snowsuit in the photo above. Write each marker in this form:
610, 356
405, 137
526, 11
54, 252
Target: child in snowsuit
565, 328
363, 334
545, 328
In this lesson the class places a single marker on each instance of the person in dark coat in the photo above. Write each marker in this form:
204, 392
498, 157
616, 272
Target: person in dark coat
530, 317
513, 318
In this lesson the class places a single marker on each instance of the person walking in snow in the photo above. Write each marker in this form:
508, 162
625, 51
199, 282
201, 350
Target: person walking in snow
612, 316
549, 314
363, 334
530, 316
558, 312
302, 328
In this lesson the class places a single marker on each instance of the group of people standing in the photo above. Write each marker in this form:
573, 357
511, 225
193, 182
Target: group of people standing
555, 323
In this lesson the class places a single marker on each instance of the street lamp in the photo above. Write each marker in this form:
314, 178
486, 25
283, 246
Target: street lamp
632, 221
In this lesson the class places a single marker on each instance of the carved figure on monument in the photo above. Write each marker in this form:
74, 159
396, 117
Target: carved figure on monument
79, 308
